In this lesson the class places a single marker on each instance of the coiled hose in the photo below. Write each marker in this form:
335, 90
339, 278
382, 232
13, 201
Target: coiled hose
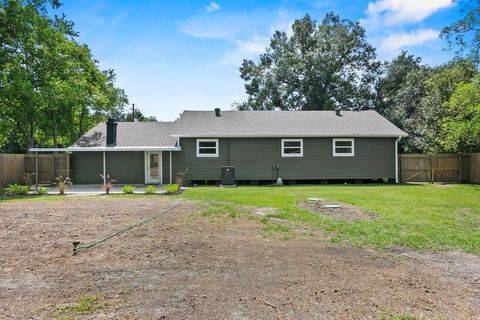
77, 247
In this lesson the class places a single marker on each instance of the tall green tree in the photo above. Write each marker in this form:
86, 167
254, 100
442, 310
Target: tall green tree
399, 93
461, 124
51, 88
319, 67
463, 35
126, 115
433, 106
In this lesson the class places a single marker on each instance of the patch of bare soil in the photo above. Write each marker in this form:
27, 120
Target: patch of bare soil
176, 267
344, 212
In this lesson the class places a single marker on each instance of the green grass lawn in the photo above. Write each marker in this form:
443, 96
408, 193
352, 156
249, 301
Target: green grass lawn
415, 216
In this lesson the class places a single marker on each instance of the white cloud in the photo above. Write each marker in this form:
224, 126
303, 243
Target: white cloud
393, 12
246, 49
249, 33
213, 6
397, 41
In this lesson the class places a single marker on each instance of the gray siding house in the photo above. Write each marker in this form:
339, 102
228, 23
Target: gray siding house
298, 146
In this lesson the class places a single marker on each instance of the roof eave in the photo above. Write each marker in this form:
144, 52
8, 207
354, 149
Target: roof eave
110, 149
392, 135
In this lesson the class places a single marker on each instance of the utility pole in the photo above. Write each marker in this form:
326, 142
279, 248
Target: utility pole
133, 112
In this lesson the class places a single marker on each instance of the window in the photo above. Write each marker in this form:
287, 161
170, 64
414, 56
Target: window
343, 148
207, 147
292, 147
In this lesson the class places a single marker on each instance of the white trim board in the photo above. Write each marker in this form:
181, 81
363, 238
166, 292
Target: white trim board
208, 155
292, 155
351, 154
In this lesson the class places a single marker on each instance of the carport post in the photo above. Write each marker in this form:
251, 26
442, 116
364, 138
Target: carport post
104, 169
170, 162
36, 170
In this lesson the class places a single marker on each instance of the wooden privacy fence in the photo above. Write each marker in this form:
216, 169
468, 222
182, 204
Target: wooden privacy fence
460, 168
12, 168
47, 166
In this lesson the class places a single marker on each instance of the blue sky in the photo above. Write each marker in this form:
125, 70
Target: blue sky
176, 55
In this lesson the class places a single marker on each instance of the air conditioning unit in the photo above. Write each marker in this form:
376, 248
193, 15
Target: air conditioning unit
228, 176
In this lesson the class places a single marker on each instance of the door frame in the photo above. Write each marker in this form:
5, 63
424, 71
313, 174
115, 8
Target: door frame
149, 180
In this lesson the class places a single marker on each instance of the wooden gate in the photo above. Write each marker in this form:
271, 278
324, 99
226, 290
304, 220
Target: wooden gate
48, 166
435, 168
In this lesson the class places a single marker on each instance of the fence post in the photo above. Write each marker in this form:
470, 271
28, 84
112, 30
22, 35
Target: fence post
36, 170
67, 155
432, 170
460, 173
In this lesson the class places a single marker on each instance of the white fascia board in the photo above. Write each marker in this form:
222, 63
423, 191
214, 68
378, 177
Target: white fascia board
113, 149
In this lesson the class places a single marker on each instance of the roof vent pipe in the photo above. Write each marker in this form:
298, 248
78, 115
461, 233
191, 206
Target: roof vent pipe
217, 112
337, 111
111, 132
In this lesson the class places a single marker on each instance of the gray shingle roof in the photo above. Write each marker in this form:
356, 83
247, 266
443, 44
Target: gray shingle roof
243, 124
285, 124
130, 134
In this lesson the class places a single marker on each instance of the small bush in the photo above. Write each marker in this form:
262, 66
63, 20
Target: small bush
42, 191
27, 178
108, 183
128, 189
150, 189
2, 191
61, 183
171, 188
16, 189
181, 178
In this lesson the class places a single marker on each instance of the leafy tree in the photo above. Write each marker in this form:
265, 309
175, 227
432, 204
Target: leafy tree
433, 106
51, 89
399, 94
126, 115
464, 34
461, 125
319, 67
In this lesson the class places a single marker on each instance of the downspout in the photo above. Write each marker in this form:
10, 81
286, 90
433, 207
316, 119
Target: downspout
396, 159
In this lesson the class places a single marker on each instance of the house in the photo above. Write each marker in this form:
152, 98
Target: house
298, 146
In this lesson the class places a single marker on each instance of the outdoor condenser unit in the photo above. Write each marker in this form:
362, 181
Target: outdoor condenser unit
228, 176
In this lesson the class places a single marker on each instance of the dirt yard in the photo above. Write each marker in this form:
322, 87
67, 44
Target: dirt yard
187, 266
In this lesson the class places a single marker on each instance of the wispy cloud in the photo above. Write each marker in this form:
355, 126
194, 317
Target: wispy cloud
401, 40
213, 6
249, 33
393, 12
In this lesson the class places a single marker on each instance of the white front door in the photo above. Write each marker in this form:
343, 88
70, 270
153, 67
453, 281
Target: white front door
153, 167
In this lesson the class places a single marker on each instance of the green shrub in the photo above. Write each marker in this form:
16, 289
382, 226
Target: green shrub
108, 183
150, 189
2, 191
171, 188
42, 191
27, 178
16, 189
128, 189
61, 183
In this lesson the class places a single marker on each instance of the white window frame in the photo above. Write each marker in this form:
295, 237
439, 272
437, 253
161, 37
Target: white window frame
292, 155
207, 155
351, 154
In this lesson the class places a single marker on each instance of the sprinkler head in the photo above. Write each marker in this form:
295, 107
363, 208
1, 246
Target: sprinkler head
75, 245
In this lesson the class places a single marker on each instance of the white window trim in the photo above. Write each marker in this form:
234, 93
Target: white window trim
207, 155
335, 154
292, 155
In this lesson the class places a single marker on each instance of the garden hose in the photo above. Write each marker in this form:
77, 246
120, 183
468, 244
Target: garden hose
77, 247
